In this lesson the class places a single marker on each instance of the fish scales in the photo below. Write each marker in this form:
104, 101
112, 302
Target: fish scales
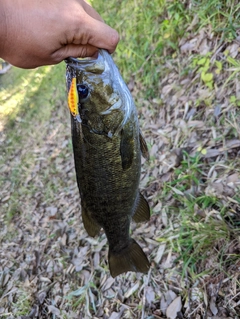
107, 146
116, 195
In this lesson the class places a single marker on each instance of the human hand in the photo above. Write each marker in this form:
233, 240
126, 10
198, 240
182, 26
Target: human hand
35, 33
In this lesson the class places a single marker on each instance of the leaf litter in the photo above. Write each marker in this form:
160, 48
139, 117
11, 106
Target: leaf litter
50, 268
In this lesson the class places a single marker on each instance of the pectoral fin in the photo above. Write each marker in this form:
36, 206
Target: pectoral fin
143, 146
127, 148
132, 258
90, 225
142, 211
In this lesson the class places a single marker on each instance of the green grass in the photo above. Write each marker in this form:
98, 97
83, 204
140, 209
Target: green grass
154, 28
30, 99
201, 232
27, 93
150, 31
222, 16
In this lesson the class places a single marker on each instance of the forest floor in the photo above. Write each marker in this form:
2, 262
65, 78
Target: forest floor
181, 60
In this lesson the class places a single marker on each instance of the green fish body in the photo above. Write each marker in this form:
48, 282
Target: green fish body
107, 146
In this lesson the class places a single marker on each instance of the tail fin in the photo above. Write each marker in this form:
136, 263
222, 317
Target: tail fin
131, 258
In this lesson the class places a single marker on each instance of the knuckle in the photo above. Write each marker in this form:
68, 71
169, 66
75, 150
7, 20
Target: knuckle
115, 39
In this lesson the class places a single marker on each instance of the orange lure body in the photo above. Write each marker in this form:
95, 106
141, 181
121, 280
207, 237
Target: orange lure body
73, 100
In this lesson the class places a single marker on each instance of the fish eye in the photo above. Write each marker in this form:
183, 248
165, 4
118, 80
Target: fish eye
82, 91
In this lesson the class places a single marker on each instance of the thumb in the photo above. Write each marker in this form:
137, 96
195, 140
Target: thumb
74, 50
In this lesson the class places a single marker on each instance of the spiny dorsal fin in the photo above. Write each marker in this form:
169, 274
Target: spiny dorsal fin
142, 210
143, 146
90, 225
131, 258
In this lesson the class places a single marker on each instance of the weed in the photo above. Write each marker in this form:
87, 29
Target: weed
223, 17
153, 30
84, 297
23, 303
202, 225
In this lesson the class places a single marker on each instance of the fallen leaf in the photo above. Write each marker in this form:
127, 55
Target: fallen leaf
54, 310
131, 290
157, 208
174, 308
160, 253
150, 294
188, 46
212, 305
170, 296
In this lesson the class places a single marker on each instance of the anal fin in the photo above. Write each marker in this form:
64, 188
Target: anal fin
90, 225
142, 210
131, 258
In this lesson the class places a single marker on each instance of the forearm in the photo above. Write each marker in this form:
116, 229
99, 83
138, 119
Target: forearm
3, 26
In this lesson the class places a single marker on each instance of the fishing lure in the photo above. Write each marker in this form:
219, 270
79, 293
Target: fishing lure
73, 100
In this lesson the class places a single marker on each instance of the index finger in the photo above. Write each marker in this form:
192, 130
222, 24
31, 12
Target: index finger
101, 35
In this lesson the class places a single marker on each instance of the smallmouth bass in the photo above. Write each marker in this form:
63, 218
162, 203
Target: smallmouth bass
107, 145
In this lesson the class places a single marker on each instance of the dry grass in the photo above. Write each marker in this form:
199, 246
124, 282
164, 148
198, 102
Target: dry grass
49, 267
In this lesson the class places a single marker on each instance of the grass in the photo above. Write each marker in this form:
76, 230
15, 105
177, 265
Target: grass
222, 17
202, 226
188, 103
150, 29
27, 109
156, 27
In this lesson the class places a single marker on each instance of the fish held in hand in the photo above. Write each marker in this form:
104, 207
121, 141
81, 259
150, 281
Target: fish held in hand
107, 145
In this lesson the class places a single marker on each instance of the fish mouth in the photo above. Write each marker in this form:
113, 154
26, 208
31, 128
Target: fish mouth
80, 60
89, 64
